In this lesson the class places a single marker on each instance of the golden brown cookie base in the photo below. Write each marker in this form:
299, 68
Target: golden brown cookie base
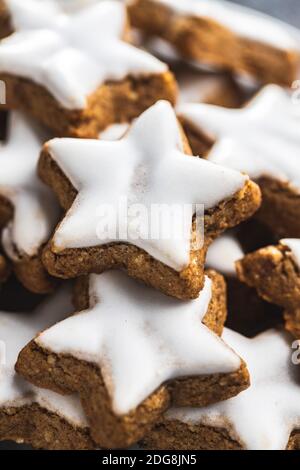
280, 210
112, 102
65, 374
276, 277
292, 322
42, 429
70, 263
32, 274
206, 41
5, 23
176, 435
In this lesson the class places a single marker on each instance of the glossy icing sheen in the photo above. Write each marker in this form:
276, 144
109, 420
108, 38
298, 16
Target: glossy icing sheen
140, 338
261, 139
147, 167
263, 416
223, 253
35, 208
71, 55
16, 330
257, 27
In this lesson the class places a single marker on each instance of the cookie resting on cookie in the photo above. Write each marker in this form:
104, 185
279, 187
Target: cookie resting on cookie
224, 35
274, 271
34, 416
261, 140
266, 416
78, 67
28, 210
248, 313
148, 167
132, 351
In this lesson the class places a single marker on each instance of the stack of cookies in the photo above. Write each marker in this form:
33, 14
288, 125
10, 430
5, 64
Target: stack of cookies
134, 134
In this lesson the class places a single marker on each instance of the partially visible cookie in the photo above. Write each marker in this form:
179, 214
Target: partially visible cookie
204, 87
220, 33
30, 415
6, 27
75, 72
266, 416
195, 86
274, 271
111, 191
248, 313
198, 83
28, 210
261, 140
132, 351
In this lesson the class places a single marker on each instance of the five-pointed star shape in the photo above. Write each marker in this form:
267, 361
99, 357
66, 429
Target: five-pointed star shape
261, 139
35, 208
73, 54
140, 338
15, 332
147, 167
263, 416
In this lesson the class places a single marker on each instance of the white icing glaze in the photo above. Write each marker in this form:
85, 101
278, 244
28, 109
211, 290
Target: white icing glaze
261, 139
71, 55
16, 330
35, 208
263, 416
74, 5
140, 338
257, 27
294, 245
147, 167
114, 131
223, 253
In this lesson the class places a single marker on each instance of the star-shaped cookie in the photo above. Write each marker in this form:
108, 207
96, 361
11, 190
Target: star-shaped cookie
266, 416
78, 66
223, 36
261, 140
113, 192
132, 351
274, 272
28, 414
28, 210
